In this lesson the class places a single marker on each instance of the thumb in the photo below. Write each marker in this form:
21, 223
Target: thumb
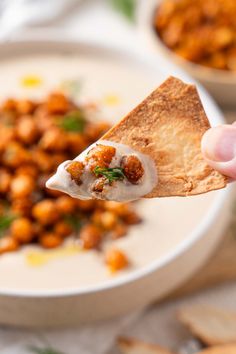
219, 149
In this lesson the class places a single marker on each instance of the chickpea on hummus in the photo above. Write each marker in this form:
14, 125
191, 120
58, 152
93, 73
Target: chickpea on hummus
106, 170
154, 151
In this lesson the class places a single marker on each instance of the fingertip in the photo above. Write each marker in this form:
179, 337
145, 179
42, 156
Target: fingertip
219, 143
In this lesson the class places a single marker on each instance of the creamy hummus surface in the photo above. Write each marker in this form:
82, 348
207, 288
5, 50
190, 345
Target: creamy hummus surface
106, 170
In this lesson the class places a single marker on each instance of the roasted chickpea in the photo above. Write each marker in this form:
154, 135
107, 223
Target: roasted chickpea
8, 119
76, 142
22, 206
9, 105
39, 229
46, 212
25, 107
75, 169
58, 158
27, 130
102, 128
53, 139
22, 230
22, 186
43, 161
116, 259
119, 209
99, 184
131, 218
119, 231
109, 220
106, 219
100, 155
65, 204
15, 155
8, 244
7, 136
86, 205
90, 236
43, 120
63, 229
96, 217
222, 37
50, 240
95, 131
133, 168
5, 181
57, 103
29, 170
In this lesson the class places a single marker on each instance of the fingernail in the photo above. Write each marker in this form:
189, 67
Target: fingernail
219, 143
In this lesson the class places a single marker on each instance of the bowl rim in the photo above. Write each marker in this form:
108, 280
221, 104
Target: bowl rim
54, 40
144, 15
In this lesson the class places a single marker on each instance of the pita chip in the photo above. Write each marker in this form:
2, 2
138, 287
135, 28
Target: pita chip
134, 346
221, 349
211, 325
168, 126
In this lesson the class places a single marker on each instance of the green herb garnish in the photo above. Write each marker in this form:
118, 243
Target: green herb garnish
5, 223
73, 122
46, 350
126, 7
112, 174
74, 221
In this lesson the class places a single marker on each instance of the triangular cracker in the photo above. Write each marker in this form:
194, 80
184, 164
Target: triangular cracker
221, 349
168, 126
134, 346
211, 325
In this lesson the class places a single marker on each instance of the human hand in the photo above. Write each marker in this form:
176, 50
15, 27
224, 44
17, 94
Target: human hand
219, 149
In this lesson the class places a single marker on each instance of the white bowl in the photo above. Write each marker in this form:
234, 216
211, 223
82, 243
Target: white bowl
221, 84
177, 235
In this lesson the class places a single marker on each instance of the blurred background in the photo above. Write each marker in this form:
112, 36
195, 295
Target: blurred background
192, 39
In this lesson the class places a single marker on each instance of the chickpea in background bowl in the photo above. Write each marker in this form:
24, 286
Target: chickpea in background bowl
35, 138
201, 31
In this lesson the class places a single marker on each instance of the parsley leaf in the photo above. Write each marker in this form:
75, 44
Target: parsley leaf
5, 223
126, 7
112, 174
73, 122
73, 221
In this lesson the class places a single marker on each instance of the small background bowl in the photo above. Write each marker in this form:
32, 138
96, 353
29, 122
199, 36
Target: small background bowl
220, 83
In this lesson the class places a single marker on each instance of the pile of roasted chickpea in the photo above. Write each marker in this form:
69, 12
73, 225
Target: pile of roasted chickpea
201, 31
35, 138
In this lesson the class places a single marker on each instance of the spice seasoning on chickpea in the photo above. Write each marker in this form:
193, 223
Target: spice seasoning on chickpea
22, 230
116, 259
100, 156
50, 240
90, 236
36, 137
8, 244
75, 169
